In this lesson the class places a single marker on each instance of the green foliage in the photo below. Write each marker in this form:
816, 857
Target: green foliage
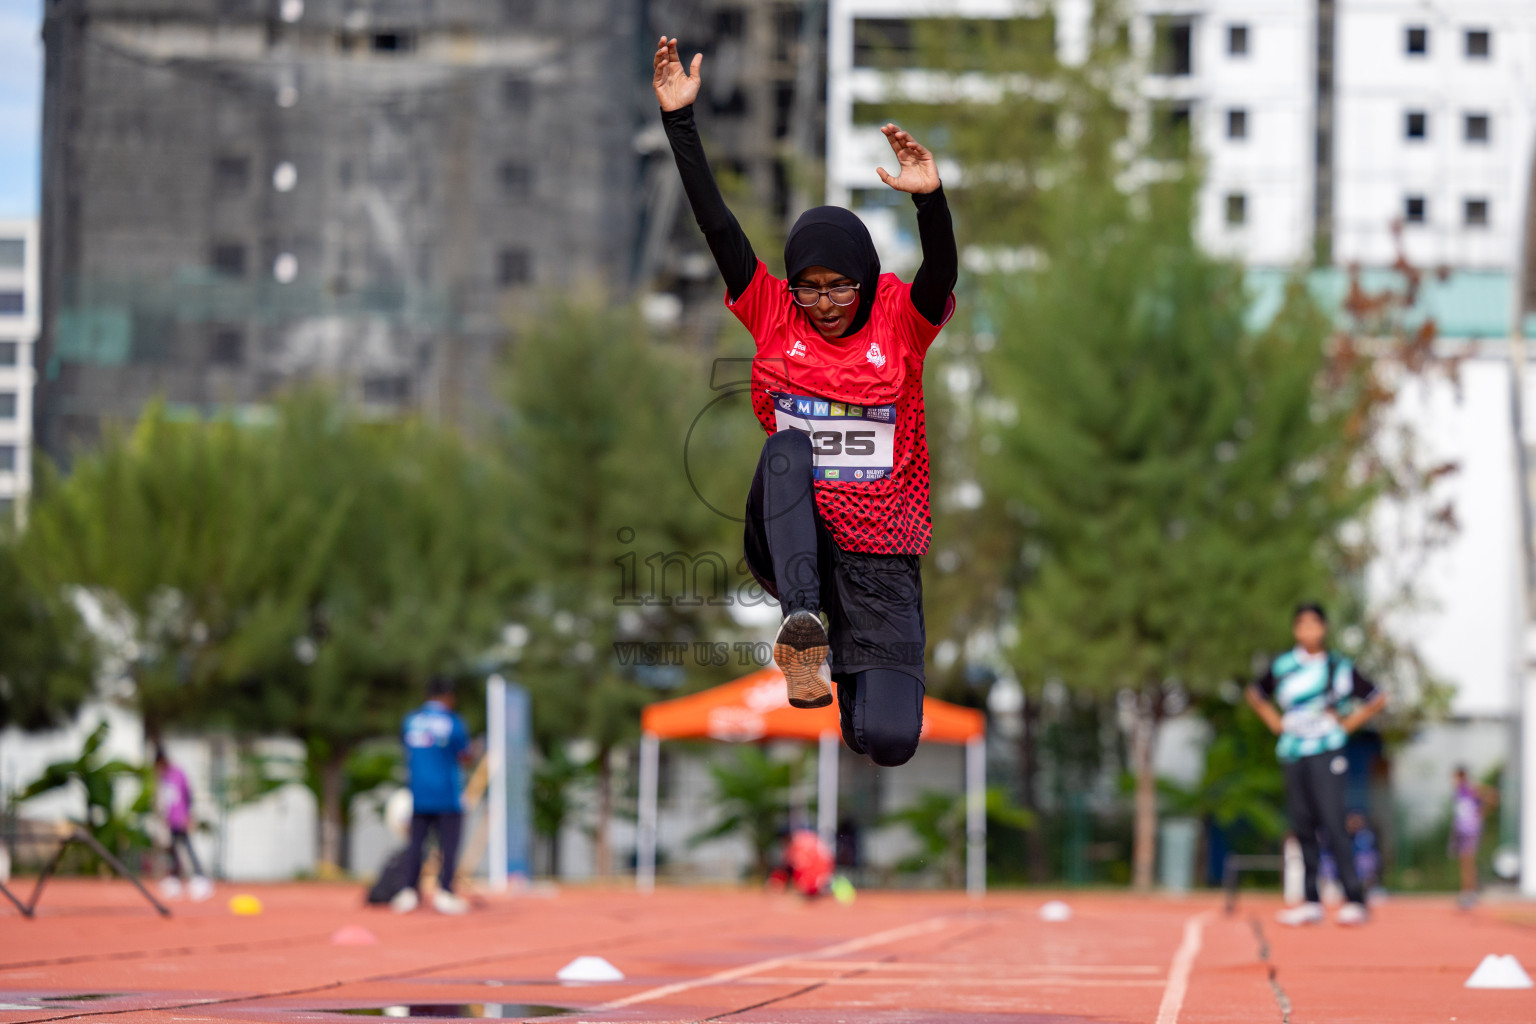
1242, 787
302, 575
47, 656
115, 826
752, 793
608, 432
937, 821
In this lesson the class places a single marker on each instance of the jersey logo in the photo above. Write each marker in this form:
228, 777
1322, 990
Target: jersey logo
874, 355
798, 349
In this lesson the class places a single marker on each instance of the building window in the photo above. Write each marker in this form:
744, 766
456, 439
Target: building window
231, 175
514, 266
229, 259
227, 346
518, 12
7, 458
13, 253
1415, 210
1479, 44
1418, 41
1237, 209
1416, 125
1237, 40
516, 93
1477, 128
12, 304
516, 177
8, 353
393, 42
1237, 124
7, 405
386, 389
1476, 213
1173, 47
882, 42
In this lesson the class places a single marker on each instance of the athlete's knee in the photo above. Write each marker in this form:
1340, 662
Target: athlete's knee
891, 743
787, 450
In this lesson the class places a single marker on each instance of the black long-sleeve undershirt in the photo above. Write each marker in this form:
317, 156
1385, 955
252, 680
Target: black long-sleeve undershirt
931, 286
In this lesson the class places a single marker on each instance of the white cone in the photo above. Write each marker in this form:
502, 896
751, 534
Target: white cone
589, 968
1499, 972
1055, 911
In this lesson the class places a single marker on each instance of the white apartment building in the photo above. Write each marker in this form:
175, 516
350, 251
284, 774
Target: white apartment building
1322, 123
1329, 129
18, 333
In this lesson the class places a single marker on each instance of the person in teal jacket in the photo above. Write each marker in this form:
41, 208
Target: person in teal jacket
1312, 699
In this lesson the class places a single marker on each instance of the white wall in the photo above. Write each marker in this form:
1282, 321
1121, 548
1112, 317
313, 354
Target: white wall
1469, 625
1376, 167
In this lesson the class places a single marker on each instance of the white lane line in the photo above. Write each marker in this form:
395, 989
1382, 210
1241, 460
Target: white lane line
720, 977
1178, 972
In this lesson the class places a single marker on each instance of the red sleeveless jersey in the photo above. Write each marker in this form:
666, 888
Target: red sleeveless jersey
860, 397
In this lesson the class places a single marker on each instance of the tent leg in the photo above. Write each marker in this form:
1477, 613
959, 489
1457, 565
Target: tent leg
645, 839
826, 788
976, 816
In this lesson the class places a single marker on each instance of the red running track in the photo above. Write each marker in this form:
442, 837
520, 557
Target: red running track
97, 952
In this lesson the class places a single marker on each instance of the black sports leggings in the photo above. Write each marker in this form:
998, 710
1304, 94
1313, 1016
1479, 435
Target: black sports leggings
881, 709
1315, 798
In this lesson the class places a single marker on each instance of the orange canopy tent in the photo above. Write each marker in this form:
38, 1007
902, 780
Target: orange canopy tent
756, 707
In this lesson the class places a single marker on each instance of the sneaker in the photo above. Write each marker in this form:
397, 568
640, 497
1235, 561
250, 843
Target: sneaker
1306, 913
405, 901
199, 888
447, 903
800, 650
1353, 914
170, 887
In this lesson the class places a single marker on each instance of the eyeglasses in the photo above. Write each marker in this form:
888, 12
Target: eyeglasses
842, 295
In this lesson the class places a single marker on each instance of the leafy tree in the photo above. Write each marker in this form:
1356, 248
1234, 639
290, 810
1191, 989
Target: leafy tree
47, 657
617, 454
302, 575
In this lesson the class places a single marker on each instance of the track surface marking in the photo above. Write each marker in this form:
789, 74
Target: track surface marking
1183, 963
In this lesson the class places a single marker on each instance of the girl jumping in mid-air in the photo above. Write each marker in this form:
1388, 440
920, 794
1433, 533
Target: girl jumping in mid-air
837, 515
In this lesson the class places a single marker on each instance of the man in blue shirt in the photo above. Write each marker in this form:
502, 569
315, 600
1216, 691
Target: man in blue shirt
1321, 699
436, 741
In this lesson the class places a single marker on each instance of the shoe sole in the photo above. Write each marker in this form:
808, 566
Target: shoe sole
802, 671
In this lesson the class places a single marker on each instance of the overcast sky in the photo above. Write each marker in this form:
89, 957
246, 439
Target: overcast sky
21, 98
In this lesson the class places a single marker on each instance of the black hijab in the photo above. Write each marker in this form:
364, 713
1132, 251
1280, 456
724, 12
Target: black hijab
832, 237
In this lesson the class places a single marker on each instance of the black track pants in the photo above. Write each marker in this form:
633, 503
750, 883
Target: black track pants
448, 826
873, 603
1315, 800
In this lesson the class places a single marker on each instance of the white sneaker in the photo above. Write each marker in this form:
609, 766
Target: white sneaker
1306, 913
199, 888
170, 887
448, 903
1353, 915
405, 901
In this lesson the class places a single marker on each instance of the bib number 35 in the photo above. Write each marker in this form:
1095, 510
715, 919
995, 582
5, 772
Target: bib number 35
844, 442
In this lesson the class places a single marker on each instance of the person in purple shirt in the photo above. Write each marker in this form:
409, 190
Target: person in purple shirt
173, 799
436, 742
1468, 809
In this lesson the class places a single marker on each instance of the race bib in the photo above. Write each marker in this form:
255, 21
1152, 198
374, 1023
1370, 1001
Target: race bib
850, 442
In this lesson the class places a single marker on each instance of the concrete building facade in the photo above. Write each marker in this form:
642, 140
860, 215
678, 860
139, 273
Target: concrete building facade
240, 194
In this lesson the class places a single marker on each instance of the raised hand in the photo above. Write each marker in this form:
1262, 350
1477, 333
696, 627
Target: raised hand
916, 170
675, 86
